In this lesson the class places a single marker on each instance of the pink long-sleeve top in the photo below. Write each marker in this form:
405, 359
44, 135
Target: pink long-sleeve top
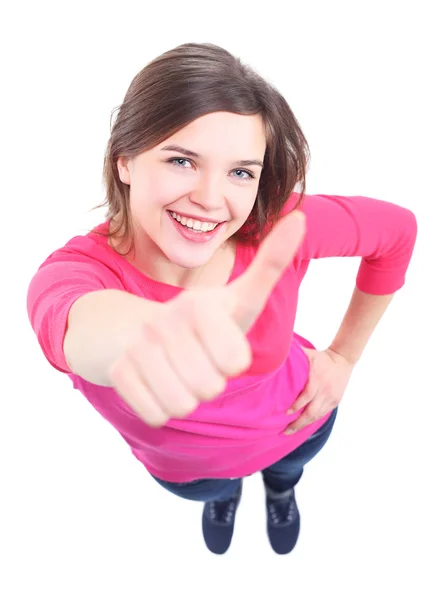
240, 432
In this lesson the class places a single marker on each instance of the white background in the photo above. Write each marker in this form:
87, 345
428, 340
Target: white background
80, 517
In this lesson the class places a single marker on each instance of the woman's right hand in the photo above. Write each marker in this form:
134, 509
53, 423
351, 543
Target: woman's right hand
185, 353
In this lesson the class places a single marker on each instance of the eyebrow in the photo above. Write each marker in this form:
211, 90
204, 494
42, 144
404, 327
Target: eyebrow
192, 154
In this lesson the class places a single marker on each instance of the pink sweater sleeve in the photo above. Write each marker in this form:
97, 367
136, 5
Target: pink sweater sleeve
382, 233
58, 283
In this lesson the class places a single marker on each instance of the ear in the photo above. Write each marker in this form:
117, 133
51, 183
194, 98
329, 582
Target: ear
123, 169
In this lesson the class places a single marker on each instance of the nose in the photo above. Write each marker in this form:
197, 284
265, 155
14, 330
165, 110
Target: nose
208, 193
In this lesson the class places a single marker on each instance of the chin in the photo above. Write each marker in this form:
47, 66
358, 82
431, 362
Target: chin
187, 262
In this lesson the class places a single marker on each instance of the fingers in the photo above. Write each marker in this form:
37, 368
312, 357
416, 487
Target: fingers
180, 360
129, 385
315, 410
306, 396
163, 382
144, 377
188, 362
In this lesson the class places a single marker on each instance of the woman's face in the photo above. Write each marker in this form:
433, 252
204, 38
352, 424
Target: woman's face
208, 180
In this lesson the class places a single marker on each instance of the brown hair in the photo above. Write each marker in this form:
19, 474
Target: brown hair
188, 82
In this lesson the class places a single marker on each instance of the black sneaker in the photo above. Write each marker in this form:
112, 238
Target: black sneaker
218, 522
283, 520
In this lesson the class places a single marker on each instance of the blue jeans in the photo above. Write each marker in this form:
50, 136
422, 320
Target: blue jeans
282, 475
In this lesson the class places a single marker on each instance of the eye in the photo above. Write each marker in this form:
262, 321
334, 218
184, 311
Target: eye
248, 173
173, 161
177, 162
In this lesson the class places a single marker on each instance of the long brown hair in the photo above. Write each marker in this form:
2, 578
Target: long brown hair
188, 82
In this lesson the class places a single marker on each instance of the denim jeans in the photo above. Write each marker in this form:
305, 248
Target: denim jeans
282, 475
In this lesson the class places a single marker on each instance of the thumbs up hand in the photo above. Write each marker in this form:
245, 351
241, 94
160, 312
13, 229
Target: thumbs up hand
185, 353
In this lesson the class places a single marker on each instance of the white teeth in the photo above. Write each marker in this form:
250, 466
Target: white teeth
194, 224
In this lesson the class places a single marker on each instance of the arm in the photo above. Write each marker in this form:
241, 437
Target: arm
361, 318
380, 232
329, 376
81, 314
384, 235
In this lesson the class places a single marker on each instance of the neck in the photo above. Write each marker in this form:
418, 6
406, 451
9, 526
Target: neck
148, 258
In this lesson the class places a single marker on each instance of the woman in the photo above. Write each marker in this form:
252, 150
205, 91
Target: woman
175, 316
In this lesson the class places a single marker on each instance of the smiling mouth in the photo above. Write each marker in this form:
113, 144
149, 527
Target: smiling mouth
194, 224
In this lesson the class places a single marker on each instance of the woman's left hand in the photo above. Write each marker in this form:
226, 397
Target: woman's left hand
328, 378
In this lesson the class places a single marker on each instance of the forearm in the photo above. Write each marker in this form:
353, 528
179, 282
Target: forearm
100, 325
362, 316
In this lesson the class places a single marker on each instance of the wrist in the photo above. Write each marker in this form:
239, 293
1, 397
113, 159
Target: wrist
352, 360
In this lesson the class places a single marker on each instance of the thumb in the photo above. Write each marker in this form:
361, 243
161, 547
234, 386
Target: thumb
247, 295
